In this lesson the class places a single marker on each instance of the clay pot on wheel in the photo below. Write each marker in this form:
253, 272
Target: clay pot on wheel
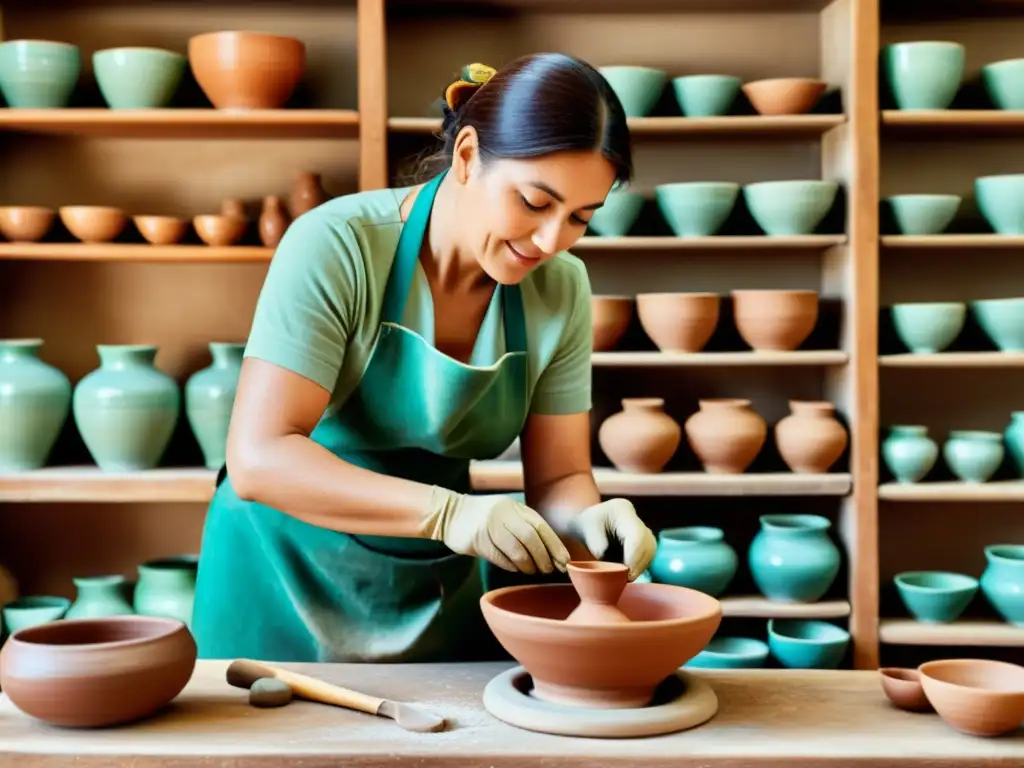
610, 319
726, 435
810, 439
775, 320
678, 322
641, 437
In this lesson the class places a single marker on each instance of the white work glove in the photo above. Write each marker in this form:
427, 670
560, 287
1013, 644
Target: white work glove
497, 528
618, 518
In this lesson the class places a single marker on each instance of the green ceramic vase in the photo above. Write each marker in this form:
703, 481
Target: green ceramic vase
973, 455
1014, 437
34, 401
1002, 581
99, 596
908, 452
697, 557
126, 409
209, 397
167, 588
792, 559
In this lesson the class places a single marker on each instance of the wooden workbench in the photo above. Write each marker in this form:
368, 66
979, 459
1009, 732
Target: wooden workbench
765, 718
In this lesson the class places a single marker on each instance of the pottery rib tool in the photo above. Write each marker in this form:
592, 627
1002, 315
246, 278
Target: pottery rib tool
242, 673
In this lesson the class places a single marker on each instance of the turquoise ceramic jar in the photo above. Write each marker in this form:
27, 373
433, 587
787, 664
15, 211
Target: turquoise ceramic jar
167, 588
38, 74
34, 402
792, 559
209, 398
908, 453
1013, 435
925, 74
1002, 582
697, 557
126, 410
973, 455
99, 596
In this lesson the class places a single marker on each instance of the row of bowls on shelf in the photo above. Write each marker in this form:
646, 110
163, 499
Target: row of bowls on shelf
927, 74
701, 208
940, 597
794, 643
237, 70
710, 95
1000, 199
973, 456
766, 319
929, 327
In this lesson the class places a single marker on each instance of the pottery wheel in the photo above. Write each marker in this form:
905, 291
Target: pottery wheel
683, 701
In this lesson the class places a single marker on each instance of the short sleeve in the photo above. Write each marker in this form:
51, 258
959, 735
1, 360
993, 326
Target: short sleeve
306, 307
564, 386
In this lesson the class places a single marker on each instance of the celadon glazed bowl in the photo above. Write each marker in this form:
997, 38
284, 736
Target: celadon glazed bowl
790, 207
1004, 83
706, 95
618, 214
1001, 201
731, 653
638, 88
929, 327
807, 643
935, 597
697, 208
923, 214
38, 74
138, 78
923, 74
1002, 320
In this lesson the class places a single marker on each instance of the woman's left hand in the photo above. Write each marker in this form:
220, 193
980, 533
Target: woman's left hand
618, 518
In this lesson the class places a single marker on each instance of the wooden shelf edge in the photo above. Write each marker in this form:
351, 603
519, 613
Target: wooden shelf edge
89, 484
713, 242
826, 357
966, 632
954, 360
1000, 490
757, 607
980, 240
142, 252
952, 121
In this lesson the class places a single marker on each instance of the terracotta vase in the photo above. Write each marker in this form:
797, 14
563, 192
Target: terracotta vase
810, 439
35, 399
726, 435
599, 586
307, 193
273, 221
610, 316
770, 320
678, 322
641, 437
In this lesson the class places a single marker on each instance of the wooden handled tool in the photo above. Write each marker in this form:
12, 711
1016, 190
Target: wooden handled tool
242, 673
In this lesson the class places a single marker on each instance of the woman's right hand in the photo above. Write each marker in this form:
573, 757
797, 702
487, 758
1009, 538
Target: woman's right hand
497, 528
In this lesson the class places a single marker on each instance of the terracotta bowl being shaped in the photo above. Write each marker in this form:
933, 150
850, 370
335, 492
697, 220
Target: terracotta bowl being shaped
247, 70
903, 687
775, 320
678, 322
25, 223
218, 230
601, 666
93, 223
784, 95
610, 319
161, 230
976, 696
97, 672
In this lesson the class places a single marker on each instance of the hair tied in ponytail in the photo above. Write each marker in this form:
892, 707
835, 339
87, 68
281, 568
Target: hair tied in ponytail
471, 77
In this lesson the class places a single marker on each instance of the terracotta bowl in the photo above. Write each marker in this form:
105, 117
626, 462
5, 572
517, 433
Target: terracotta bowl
97, 672
247, 70
611, 316
25, 223
93, 223
976, 696
161, 230
775, 320
784, 95
678, 322
601, 665
903, 687
218, 230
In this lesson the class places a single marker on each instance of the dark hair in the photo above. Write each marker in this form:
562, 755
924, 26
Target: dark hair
536, 105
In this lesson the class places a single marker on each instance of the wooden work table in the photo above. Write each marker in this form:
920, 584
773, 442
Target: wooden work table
765, 718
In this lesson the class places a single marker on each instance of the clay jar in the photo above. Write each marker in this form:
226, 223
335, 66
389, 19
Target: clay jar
599, 586
726, 435
770, 320
98, 597
697, 557
307, 193
610, 319
678, 322
34, 402
209, 399
641, 437
167, 588
273, 221
792, 559
810, 440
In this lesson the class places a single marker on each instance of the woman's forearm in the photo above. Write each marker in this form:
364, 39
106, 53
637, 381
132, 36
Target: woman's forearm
559, 501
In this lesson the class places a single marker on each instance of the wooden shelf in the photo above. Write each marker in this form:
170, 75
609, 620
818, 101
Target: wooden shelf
725, 242
972, 241
1000, 490
184, 123
954, 360
823, 357
958, 633
617, 6
758, 607
131, 252
952, 122
89, 484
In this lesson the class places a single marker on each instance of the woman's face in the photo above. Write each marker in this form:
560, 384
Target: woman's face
518, 214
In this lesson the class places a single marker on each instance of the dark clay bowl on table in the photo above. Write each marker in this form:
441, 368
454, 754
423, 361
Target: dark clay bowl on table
97, 672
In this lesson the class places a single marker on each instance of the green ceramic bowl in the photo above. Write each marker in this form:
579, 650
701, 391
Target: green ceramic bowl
731, 653
706, 95
923, 214
807, 643
33, 609
790, 207
138, 78
1004, 82
935, 597
1002, 320
924, 74
1001, 201
38, 74
929, 327
638, 88
618, 214
697, 208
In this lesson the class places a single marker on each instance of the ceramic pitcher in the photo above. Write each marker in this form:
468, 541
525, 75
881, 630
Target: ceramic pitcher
792, 559
209, 398
34, 401
697, 557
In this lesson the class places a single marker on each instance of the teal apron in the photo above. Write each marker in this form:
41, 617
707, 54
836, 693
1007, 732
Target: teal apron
275, 588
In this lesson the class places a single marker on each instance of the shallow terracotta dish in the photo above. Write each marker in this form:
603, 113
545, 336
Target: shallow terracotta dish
976, 696
161, 230
97, 672
217, 230
784, 95
611, 316
25, 223
599, 664
93, 223
247, 70
903, 687
776, 320
678, 322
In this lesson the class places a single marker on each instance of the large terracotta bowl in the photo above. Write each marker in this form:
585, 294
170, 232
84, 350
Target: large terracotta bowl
601, 665
775, 320
611, 318
97, 672
247, 70
978, 697
678, 322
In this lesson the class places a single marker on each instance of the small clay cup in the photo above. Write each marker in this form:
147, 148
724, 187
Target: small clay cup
903, 687
784, 95
775, 320
93, 223
161, 230
599, 586
25, 223
976, 696
678, 322
219, 230
610, 319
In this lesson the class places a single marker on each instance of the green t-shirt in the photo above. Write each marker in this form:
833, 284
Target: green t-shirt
318, 313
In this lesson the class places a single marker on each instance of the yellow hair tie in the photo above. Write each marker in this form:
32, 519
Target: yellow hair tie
471, 77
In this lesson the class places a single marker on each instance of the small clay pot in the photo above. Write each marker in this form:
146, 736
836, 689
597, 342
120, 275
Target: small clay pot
599, 586
273, 221
218, 230
641, 437
810, 439
93, 223
976, 696
784, 95
25, 223
161, 230
726, 435
775, 320
610, 319
307, 193
678, 322
903, 687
